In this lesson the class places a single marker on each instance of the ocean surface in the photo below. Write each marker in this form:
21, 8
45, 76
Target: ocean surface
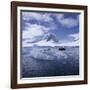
49, 61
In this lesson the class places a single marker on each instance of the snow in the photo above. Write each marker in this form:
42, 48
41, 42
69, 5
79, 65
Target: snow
51, 43
50, 40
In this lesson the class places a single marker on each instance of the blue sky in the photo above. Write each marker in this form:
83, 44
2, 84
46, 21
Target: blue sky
63, 24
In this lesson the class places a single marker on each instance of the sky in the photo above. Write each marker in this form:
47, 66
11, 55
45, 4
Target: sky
36, 24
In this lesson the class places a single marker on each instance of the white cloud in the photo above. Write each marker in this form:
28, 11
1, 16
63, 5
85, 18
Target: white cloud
37, 16
33, 30
68, 22
32, 33
75, 36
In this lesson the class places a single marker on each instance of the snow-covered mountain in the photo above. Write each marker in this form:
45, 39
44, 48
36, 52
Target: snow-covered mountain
50, 37
51, 40
50, 48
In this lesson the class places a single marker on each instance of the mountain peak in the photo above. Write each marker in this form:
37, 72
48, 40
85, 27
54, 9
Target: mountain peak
50, 37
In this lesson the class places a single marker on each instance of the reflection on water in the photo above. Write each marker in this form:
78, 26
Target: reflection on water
46, 61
